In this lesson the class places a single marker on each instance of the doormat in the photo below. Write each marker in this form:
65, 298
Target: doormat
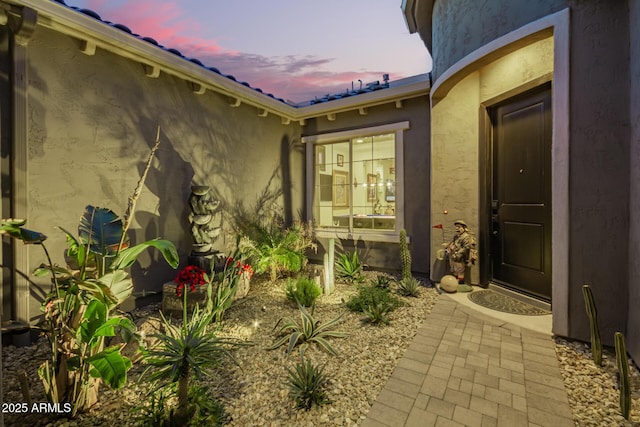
500, 302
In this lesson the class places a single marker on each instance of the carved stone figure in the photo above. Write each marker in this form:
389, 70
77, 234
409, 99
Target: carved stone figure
203, 212
462, 252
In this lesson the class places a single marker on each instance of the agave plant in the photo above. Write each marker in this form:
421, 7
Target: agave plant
349, 267
309, 331
409, 287
307, 384
376, 312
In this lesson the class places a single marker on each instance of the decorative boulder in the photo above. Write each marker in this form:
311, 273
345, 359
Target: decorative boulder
449, 283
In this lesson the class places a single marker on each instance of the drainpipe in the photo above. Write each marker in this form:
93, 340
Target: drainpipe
22, 22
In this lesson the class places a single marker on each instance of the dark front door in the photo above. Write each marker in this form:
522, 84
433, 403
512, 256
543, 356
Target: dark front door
521, 193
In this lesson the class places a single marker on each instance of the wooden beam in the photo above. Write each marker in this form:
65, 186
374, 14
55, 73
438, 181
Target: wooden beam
197, 88
399, 103
285, 120
363, 111
234, 102
151, 71
262, 112
87, 47
331, 117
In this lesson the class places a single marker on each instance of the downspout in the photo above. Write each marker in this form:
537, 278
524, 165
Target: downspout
22, 22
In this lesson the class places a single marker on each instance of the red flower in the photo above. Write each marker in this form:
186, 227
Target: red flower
191, 275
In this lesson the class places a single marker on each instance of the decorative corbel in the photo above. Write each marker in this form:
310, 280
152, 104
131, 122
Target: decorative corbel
234, 102
23, 24
197, 88
151, 71
87, 47
399, 103
262, 112
331, 117
363, 111
285, 120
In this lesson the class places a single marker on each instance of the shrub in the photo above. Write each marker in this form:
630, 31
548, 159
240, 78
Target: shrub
349, 267
304, 290
376, 312
368, 294
279, 251
381, 281
310, 330
307, 385
409, 287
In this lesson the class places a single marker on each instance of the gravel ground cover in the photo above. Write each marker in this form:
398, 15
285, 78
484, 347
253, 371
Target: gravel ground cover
255, 394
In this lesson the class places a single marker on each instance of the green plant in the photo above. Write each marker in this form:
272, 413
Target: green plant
310, 330
376, 312
381, 281
307, 384
592, 313
348, 267
278, 250
304, 290
405, 255
623, 371
227, 285
186, 351
409, 287
205, 409
367, 295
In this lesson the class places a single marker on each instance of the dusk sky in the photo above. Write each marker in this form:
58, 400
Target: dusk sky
295, 49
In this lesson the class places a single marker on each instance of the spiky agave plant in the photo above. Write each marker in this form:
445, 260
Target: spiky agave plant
307, 384
309, 331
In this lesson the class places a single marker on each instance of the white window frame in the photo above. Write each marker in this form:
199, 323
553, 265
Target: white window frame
359, 234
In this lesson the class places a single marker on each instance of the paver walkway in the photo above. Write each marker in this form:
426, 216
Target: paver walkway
464, 368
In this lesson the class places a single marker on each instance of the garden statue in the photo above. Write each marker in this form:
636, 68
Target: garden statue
462, 253
203, 212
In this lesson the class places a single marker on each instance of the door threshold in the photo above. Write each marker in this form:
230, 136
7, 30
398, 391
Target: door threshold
528, 299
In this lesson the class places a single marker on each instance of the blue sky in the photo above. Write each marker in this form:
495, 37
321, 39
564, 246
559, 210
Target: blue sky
295, 49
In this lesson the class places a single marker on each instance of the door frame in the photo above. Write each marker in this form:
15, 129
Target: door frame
485, 179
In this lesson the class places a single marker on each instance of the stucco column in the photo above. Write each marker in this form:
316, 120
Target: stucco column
22, 23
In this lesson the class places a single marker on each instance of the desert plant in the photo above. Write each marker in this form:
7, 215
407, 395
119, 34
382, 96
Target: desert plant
368, 294
409, 287
157, 412
218, 302
309, 331
623, 373
376, 312
592, 313
381, 281
405, 255
307, 384
279, 251
186, 351
349, 267
304, 290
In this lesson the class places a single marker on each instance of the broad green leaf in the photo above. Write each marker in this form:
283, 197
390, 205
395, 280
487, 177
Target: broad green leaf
127, 257
111, 366
94, 316
111, 327
119, 284
101, 229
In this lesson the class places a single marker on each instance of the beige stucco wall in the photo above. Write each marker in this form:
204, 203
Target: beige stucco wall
92, 121
456, 141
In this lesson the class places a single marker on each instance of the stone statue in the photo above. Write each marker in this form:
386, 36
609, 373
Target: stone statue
462, 252
203, 212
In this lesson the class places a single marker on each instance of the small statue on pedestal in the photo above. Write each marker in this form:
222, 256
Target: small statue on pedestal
203, 212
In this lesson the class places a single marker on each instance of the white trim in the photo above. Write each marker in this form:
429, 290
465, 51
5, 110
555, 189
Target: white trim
348, 134
557, 24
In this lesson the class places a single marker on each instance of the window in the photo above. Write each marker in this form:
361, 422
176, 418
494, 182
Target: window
355, 186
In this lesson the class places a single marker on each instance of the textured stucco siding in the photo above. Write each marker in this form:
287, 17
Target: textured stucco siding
416, 177
633, 329
599, 134
462, 26
92, 122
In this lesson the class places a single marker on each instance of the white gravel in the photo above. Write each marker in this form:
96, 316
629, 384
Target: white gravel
256, 394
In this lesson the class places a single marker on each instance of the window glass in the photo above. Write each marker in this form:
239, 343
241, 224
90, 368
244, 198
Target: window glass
354, 185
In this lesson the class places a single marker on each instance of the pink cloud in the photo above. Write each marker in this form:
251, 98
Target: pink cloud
297, 78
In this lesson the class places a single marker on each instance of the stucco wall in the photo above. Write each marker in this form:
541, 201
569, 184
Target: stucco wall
599, 134
633, 330
92, 122
416, 176
462, 26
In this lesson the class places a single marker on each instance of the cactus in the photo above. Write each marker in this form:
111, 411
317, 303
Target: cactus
405, 255
623, 370
596, 342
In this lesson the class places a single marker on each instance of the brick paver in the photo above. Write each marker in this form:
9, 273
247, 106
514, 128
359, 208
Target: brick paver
467, 369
